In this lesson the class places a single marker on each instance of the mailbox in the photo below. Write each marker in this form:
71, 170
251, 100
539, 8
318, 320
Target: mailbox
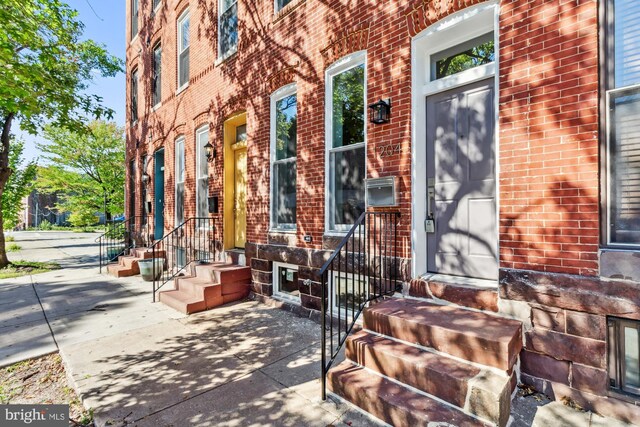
381, 192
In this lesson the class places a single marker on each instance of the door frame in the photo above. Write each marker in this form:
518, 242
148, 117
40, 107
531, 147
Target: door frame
229, 137
457, 28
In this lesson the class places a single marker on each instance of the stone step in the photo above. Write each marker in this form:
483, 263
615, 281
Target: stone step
182, 302
481, 392
393, 403
202, 289
145, 253
128, 261
456, 291
117, 270
219, 272
470, 335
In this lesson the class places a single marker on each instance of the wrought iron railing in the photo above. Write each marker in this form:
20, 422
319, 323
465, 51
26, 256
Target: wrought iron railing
193, 241
121, 237
363, 268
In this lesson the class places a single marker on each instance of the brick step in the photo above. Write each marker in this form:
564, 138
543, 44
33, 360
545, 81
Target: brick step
391, 402
481, 392
459, 291
117, 270
128, 261
145, 253
220, 272
470, 335
182, 301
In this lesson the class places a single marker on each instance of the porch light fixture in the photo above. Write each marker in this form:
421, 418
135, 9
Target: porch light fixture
380, 111
210, 151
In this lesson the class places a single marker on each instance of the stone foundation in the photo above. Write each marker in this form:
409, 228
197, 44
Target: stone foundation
565, 354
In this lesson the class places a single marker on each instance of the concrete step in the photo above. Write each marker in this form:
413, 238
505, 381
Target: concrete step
145, 253
478, 294
219, 272
481, 392
128, 261
202, 289
117, 270
470, 335
392, 402
182, 302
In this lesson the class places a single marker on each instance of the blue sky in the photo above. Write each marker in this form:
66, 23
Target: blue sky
106, 26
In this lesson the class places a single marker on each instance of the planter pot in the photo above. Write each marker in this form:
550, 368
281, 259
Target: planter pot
146, 268
113, 252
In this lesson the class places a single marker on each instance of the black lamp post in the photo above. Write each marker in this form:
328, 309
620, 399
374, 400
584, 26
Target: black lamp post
380, 111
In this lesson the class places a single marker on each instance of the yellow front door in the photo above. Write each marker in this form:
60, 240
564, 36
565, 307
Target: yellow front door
240, 197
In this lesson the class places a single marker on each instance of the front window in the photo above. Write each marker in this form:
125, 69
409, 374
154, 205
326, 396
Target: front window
346, 143
623, 139
284, 119
183, 50
134, 96
227, 27
134, 18
202, 173
157, 75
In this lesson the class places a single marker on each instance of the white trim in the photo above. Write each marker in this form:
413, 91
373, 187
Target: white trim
183, 16
464, 25
200, 157
344, 64
283, 92
155, 9
276, 283
178, 143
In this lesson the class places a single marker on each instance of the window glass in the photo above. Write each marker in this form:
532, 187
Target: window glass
281, 3
631, 361
180, 181
202, 173
134, 96
286, 127
348, 107
134, 18
156, 3
228, 26
627, 42
288, 281
348, 291
241, 133
157, 74
471, 54
348, 189
183, 50
284, 164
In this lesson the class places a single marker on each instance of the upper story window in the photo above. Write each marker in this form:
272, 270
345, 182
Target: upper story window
156, 4
284, 123
623, 123
281, 3
346, 152
227, 27
134, 18
183, 50
157, 75
134, 96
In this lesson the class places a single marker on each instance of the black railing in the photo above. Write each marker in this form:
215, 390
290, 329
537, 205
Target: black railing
363, 268
121, 237
193, 241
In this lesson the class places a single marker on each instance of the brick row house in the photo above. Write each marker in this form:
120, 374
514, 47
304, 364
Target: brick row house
499, 139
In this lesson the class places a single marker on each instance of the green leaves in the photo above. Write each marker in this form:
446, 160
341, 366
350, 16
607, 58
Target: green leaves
19, 185
86, 167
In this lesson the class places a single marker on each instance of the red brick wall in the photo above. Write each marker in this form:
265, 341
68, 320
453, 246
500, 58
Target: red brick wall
549, 136
548, 145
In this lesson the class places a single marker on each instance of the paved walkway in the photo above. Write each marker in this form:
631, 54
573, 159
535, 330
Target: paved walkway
139, 363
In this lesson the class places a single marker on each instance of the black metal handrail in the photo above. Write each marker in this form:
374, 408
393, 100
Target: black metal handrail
121, 237
362, 269
192, 241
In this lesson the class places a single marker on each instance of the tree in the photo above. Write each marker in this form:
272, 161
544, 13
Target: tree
86, 168
45, 69
18, 186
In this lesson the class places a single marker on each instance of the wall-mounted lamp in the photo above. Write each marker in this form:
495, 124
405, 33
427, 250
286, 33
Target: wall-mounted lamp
210, 151
145, 178
380, 111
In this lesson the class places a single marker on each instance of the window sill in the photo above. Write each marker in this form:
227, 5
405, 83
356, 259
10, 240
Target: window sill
225, 57
620, 264
282, 231
182, 89
156, 107
135, 39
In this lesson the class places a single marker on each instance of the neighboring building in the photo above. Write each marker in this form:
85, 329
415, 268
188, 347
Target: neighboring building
512, 142
39, 208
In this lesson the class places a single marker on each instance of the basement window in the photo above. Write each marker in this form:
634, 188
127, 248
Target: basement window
624, 355
285, 282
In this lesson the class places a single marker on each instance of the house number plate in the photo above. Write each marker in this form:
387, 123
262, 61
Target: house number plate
390, 150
